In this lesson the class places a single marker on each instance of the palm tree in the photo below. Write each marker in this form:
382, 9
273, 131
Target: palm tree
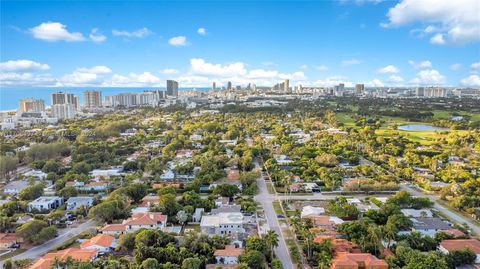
308, 239
374, 237
272, 241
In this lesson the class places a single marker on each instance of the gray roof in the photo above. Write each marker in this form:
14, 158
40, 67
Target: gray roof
430, 224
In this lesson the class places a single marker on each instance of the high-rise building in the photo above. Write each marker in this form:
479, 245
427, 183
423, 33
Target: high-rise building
286, 85
299, 88
254, 87
63, 111
360, 88
214, 86
92, 99
31, 105
172, 88
60, 98
76, 102
229, 85
420, 91
341, 86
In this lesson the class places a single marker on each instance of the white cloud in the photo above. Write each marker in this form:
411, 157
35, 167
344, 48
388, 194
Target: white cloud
202, 31
475, 65
99, 69
472, 81
178, 41
304, 66
200, 67
321, 67
268, 63
390, 69
85, 76
27, 79
429, 77
169, 71
395, 79
376, 83
455, 67
22, 65
457, 21
437, 39
420, 65
350, 62
133, 80
96, 36
332, 81
143, 32
55, 31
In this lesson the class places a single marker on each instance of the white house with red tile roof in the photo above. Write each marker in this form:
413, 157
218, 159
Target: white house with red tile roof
113, 229
102, 242
229, 255
147, 220
446, 246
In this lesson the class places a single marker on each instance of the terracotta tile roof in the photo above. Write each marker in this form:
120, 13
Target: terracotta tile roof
454, 232
102, 240
229, 251
354, 259
338, 245
233, 174
83, 255
7, 238
113, 228
96, 183
146, 218
459, 244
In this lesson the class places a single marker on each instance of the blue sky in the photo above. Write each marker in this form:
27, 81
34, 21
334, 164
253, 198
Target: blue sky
380, 43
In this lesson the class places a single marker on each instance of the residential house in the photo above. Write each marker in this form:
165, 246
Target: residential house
45, 203
312, 211
74, 203
147, 220
222, 201
114, 229
417, 213
83, 255
97, 186
222, 224
229, 255
357, 261
103, 243
197, 215
339, 245
446, 246
107, 173
427, 226
36, 174
15, 187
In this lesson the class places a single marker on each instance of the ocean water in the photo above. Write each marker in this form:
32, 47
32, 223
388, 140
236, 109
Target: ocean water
9, 97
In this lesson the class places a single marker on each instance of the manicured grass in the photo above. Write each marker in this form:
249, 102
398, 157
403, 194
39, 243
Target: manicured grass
270, 188
194, 227
346, 119
277, 207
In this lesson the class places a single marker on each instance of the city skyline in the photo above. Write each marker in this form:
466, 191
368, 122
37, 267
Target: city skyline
376, 43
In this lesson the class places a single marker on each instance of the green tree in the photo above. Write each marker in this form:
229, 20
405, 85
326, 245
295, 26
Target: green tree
29, 230
192, 263
254, 258
271, 238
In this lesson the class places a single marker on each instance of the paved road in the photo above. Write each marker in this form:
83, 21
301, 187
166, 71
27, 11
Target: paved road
266, 199
452, 215
36, 252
